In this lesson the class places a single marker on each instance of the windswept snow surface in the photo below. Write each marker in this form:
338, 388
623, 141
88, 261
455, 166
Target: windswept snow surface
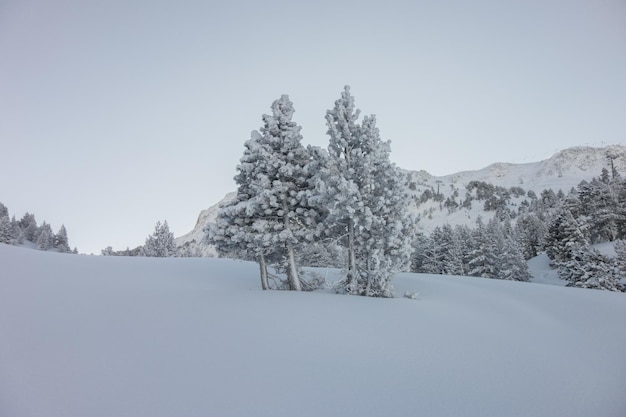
86, 336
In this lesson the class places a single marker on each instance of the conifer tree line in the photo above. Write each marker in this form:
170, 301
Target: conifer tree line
564, 226
489, 251
26, 231
160, 244
298, 205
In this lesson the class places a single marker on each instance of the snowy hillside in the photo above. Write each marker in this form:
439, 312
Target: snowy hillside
564, 170
126, 336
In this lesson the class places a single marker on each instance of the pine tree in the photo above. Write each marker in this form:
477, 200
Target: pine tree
419, 259
588, 268
464, 237
45, 237
6, 231
565, 235
28, 224
481, 257
512, 265
446, 255
60, 241
161, 243
366, 200
531, 231
337, 187
271, 216
17, 233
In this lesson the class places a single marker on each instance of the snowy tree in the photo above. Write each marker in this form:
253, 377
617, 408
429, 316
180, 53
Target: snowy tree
6, 230
429, 253
161, 243
60, 241
565, 235
444, 252
366, 200
481, 257
239, 232
44, 237
17, 232
600, 205
511, 263
588, 268
108, 251
28, 224
531, 231
271, 217
421, 254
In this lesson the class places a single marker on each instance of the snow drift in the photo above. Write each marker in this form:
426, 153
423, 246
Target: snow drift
119, 336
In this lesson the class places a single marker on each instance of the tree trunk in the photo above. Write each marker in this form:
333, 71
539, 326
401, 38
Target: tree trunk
263, 266
292, 272
369, 278
352, 279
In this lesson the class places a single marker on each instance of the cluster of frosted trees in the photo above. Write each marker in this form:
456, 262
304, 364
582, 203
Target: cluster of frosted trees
27, 231
294, 200
564, 226
488, 251
594, 213
160, 244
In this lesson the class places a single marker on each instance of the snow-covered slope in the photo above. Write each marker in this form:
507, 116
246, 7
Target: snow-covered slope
562, 171
126, 336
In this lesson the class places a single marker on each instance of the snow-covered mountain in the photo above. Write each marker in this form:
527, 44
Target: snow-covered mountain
562, 171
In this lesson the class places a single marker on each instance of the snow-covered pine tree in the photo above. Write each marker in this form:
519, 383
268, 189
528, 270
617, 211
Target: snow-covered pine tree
271, 215
511, 263
463, 236
588, 268
240, 230
420, 256
6, 229
45, 237
444, 252
60, 241
565, 235
452, 259
430, 252
366, 200
481, 257
531, 230
161, 243
29, 227
337, 188
17, 233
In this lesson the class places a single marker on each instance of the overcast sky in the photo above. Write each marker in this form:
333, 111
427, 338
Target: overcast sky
117, 114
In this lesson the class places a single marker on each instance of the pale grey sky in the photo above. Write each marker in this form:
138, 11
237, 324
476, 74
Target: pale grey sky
116, 114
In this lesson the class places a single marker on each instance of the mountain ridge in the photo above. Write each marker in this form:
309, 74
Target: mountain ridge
562, 171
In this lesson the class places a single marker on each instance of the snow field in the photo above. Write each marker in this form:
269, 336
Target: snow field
115, 336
